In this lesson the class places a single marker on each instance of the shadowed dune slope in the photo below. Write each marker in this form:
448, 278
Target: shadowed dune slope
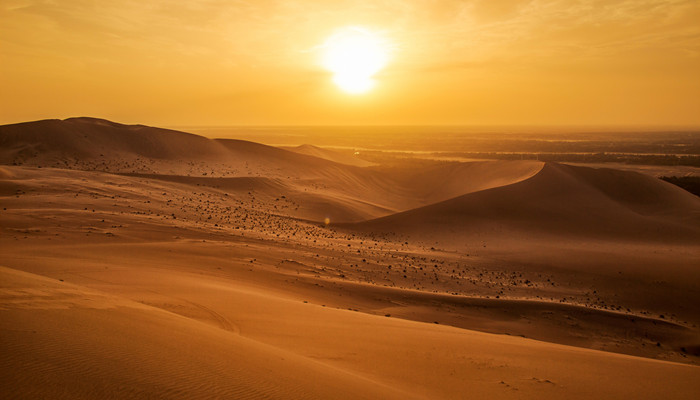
90, 137
394, 190
561, 200
443, 182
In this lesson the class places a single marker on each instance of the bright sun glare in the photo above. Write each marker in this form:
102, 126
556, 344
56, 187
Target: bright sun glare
354, 55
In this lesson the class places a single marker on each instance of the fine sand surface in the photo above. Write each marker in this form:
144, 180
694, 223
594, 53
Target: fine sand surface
139, 262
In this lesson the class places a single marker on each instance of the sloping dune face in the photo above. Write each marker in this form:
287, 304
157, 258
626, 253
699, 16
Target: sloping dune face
560, 200
444, 182
58, 342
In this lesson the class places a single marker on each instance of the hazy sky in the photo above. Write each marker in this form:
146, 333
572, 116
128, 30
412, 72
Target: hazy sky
222, 62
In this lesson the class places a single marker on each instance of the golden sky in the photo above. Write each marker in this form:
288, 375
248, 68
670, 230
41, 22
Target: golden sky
231, 62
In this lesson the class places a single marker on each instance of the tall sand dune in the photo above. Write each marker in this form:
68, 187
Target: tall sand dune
561, 200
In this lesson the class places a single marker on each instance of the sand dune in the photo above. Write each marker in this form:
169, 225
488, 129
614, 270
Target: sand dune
140, 262
95, 144
443, 182
561, 200
91, 137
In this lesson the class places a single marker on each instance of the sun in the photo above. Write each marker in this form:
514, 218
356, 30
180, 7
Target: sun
354, 55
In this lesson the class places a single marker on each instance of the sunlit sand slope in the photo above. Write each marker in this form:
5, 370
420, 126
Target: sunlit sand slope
63, 340
66, 341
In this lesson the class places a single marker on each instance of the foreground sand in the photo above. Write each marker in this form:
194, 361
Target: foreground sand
183, 328
487, 280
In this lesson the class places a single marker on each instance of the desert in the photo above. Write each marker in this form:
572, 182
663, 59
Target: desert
142, 262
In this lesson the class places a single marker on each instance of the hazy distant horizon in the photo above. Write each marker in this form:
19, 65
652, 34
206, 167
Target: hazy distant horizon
516, 128
470, 128
322, 134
